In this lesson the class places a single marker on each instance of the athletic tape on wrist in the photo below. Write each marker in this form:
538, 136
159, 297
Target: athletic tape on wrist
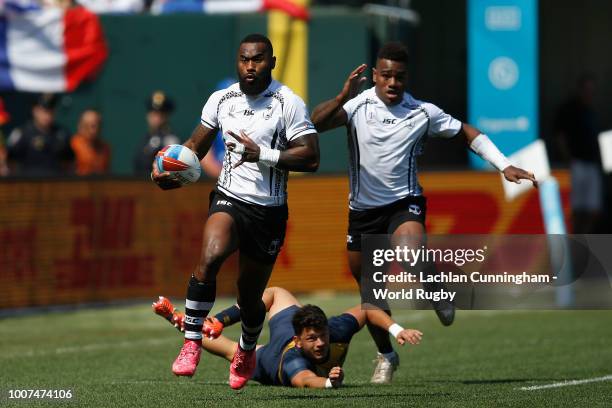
239, 148
395, 329
268, 156
484, 147
328, 384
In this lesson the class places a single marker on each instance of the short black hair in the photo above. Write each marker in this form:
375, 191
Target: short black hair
47, 101
309, 316
258, 38
394, 51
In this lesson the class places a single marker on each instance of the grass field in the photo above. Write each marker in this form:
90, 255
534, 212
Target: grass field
121, 357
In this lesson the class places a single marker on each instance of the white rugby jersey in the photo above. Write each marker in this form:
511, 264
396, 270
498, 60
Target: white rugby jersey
384, 142
272, 119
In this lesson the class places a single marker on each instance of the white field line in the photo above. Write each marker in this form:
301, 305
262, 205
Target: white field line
566, 383
86, 348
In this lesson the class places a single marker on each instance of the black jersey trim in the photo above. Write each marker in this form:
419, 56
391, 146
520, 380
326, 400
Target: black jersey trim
359, 106
413, 184
227, 96
355, 162
272, 169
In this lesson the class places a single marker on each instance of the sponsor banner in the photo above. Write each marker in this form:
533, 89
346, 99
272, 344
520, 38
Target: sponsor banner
66, 242
486, 271
502, 72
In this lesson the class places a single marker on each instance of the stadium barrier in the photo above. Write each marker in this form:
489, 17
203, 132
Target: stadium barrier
82, 241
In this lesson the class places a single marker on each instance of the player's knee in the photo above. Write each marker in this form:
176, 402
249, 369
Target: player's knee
212, 257
276, 291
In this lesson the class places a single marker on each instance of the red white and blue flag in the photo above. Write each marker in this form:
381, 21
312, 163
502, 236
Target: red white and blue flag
48, 49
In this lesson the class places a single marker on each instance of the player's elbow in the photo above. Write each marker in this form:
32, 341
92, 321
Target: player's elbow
310, 164
316, 117
313, 166
314, 160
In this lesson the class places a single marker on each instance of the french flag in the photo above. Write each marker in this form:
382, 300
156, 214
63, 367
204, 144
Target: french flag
48, 49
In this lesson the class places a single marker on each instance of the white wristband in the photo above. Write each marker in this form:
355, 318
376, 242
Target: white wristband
328, 384
484, 147
268, 156
239, 148
395, 329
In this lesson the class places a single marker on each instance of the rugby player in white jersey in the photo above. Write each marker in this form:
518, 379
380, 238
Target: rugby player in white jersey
268, 132
387, 128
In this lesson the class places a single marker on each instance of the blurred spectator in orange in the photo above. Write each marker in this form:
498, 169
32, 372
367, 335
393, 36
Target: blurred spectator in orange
41, 147
4, 118
92, 153
159, 108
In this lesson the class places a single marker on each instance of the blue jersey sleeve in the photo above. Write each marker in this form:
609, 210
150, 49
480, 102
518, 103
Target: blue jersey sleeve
342, 328
293, 363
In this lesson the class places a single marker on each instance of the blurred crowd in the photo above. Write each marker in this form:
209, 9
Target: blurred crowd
41, 147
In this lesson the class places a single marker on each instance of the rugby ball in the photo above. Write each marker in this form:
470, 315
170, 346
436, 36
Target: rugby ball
181, 162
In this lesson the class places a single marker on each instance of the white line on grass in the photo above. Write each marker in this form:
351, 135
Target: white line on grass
87, 347
566, 383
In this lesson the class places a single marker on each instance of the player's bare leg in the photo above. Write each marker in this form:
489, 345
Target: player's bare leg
219, 241
277, 299
221, 346
387, 359
252, 280
411, 234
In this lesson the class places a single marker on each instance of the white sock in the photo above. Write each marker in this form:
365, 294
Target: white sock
247, 347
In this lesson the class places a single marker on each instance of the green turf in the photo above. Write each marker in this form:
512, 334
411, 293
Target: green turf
121, 357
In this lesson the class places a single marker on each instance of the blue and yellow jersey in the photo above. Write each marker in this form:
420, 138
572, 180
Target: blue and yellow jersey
279, 360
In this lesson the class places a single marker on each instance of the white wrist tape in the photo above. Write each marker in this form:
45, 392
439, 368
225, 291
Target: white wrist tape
484, 147
268, 156
395, 329
239, 148
328, 384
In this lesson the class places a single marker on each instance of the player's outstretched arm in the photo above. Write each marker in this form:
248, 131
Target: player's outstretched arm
308, 379
330, 114
379, 318
200, 141
302, 153
480, 144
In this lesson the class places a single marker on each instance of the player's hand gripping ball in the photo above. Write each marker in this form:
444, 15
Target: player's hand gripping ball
181, 162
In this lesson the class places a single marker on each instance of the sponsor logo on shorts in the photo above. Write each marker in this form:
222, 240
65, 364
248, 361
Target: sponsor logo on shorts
224, 202
415, 209
389, 121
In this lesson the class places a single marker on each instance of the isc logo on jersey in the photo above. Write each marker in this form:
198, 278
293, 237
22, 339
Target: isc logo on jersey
181, 162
